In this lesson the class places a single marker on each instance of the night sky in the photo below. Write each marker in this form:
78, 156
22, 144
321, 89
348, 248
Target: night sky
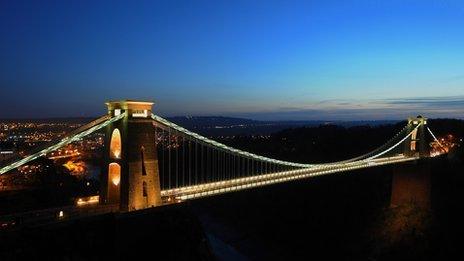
292, 60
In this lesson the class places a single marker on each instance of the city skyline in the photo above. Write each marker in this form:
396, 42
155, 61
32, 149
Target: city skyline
355, 60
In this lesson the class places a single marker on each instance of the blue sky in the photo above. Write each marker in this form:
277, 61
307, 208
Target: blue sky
259, 59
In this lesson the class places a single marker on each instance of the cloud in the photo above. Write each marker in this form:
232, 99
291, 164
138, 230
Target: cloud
434, 102
379, 109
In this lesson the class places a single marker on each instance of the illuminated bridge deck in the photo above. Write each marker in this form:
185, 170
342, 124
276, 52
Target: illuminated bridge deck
213, 188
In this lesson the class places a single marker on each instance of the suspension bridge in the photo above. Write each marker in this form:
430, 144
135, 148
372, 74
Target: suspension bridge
150, 161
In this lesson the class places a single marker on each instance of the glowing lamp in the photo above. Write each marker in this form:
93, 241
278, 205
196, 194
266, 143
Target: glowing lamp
116, 180
117, 154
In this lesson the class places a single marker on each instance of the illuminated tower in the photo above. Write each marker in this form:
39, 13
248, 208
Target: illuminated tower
411, 183
416, 145
130, 175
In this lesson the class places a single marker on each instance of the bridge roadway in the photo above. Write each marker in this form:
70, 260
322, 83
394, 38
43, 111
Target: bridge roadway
53, 215
219, 187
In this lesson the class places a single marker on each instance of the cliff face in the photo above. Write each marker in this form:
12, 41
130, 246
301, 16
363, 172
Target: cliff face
167, 233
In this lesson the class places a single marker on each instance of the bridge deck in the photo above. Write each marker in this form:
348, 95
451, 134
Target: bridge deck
213, 188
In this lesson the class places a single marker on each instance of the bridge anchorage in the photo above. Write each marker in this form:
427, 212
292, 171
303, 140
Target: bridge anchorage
150, 161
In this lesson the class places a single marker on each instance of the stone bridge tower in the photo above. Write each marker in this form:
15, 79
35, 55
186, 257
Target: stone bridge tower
130, 175
411, 182
417, 145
